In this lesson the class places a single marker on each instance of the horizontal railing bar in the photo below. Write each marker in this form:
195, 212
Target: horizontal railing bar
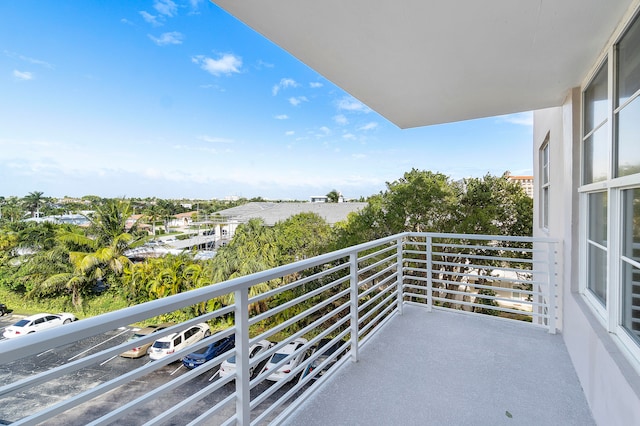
486, 267
506, 280
202, 419
391, 258
306, 296
475, 286
375, 298
495, 308
300, 316
379, 274
486, 296
379, 252
484, 257
378, 317
534, 283
375, 287
297, 283
364, 317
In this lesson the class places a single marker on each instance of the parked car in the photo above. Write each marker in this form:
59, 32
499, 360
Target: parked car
282, 373
208, 353
37, 322
228, 366
3, 309
176, 341
140, 351
327, 351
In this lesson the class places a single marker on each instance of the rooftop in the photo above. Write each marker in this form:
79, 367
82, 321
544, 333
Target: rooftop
272, 213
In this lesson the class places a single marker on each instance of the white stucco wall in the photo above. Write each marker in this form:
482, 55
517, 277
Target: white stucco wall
611, 384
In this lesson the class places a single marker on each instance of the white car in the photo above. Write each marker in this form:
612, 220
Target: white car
228, 366
176, 341
282, 373
37, 322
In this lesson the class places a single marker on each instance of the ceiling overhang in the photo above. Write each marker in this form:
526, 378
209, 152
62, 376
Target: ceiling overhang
420, 62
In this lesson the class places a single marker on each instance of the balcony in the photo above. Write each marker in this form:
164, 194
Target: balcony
444, 328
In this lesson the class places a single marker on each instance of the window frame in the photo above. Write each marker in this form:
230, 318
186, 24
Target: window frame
545, 183
611, 314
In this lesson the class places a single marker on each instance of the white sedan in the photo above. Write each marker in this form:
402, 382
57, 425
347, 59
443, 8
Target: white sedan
37, 322
228, 366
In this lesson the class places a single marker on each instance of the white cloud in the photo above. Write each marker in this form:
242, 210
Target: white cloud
284, 84
282, 117
315, 85
211, 139
325, 130
173, 37
522, 119
149, 18
226, 64
290, 133
349, 136
295, 101
369, 126
359, 156
28, 59
340, 119
351, 104
23, 75
166, 7
126, 21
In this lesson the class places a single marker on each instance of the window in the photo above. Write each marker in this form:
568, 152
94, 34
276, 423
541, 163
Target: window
610, 190
544, 184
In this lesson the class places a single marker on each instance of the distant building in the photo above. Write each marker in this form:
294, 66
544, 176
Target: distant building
526, 182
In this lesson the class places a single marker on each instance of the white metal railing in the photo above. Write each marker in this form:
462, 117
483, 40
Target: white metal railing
345, 296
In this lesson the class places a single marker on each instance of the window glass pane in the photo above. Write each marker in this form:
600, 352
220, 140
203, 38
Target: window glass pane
545, 164
545, 207
597, 273
629, 139
629, 63
597, 256
598, 218
631, 300
596, 156
595, 101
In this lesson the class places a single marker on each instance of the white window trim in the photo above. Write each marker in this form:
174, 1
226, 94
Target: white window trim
610, 316
545, 211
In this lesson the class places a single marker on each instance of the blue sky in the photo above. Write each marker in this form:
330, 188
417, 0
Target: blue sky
177, 99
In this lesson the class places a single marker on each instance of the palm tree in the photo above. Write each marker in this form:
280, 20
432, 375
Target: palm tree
33, 201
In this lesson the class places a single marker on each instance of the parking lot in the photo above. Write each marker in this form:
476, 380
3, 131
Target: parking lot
18, 405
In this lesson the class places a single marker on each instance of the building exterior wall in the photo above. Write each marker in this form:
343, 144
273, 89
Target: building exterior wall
610, 380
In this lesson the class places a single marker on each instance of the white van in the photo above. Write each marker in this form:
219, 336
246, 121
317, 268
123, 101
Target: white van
176, 341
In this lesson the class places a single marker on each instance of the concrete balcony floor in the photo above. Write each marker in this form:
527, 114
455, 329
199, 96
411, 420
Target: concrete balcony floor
445, 368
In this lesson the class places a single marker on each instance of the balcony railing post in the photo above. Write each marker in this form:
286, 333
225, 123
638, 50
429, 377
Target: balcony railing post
400, 275
243, 410
551, 282
429, 266
353, 267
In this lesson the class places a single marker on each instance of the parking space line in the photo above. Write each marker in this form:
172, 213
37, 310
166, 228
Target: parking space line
176, 370
104, 362
42, 353
95, 346
214, 375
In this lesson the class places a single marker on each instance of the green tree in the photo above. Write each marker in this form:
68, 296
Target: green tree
301, 236
33, 201
333, 196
